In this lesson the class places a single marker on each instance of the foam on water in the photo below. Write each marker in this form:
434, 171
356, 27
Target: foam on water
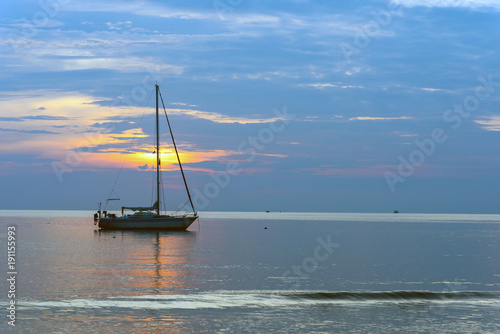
272, 299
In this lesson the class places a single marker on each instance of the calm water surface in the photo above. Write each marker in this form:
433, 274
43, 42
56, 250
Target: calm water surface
256, 273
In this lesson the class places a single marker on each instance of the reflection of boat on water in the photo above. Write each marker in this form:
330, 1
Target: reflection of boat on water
150, 218
144, 261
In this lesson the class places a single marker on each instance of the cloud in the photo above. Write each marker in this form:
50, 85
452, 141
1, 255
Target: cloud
259, 19
182, 104
433, 90
194, 113
61, 108
490, 123
45, 23
127, 64
331, 85
37, 117
451, 3
28, 131
129, 134
46, 118
11, 119
117, 50
119, 25
369, 118
405, 134
139, 8
253, 24
102, 145
23, 159
221, 118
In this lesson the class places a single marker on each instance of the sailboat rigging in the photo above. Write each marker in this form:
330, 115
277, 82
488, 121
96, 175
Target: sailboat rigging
150, 217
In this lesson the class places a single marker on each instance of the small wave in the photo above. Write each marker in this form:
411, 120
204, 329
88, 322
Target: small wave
258, 299
396, 295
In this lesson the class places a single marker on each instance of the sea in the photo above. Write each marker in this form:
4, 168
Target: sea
252, 272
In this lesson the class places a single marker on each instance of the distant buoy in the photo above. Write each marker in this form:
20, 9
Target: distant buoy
396, 211
265, 228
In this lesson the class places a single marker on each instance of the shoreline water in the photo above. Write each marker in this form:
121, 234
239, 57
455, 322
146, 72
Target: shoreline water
307, 272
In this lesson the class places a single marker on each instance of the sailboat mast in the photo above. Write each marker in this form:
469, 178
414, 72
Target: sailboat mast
157, 156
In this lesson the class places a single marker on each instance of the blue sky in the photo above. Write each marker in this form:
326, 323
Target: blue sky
320, 104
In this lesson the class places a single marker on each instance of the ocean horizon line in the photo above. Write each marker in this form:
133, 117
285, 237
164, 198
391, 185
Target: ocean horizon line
285, 215
274, 212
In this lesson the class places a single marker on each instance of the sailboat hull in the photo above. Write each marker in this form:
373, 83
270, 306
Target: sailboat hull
171, 223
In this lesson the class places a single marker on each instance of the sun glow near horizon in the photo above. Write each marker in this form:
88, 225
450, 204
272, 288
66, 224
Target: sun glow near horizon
76, 130
147, 157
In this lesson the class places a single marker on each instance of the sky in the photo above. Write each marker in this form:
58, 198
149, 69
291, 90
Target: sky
297, 105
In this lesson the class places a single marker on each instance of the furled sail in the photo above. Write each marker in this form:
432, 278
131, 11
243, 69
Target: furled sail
141, 208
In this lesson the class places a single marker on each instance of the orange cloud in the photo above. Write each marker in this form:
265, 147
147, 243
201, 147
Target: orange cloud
137, 158
66, 119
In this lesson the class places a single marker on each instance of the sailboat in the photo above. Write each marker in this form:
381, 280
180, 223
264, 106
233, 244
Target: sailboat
150, 218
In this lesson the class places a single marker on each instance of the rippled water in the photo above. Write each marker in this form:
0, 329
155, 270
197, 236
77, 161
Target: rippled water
258, 273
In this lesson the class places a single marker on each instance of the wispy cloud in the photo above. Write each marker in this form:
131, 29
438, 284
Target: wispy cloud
221, 118
405, 134
370, 118
28, 131
11, 119
45, 118
128, 64
433, 90
119, 25
47, 23
183, 104
332, 85
490, 123
451, 3
139, 8
37, 117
